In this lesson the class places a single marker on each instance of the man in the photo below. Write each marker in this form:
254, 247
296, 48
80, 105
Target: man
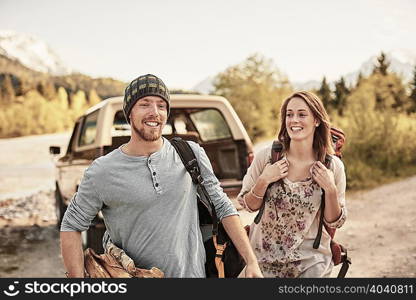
147, 197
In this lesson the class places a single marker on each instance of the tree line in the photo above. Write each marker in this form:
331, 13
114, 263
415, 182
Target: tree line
42, 108
36, 103
377, 114
391, 90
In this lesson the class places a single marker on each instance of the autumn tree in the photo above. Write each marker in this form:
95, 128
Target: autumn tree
255, 88
93, 97
390, 92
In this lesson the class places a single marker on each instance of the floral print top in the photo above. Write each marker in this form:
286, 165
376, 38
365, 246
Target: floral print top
283, 239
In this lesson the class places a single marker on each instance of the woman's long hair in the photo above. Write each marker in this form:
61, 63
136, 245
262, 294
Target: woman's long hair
322, 143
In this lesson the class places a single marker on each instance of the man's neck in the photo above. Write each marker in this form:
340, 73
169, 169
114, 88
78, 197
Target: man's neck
136, 147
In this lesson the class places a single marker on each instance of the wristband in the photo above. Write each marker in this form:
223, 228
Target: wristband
255, 195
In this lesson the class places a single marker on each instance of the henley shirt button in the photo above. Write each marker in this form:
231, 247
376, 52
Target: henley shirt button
156, 184
154, 173
150, 161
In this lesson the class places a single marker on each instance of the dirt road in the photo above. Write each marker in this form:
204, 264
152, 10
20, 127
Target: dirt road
379, 233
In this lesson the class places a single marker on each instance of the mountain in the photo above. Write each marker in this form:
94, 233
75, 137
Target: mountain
206, 86
31, 52
25, 79
402, 62
307, 85
31, 62
13, 66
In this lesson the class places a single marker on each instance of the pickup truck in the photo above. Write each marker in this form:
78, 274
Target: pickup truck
208, 120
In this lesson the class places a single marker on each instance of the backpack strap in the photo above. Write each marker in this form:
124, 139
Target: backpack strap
346, 261
190, 162
276, 152
317, 240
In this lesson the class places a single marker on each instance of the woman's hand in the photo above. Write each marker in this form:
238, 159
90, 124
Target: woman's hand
323, 176
276, 171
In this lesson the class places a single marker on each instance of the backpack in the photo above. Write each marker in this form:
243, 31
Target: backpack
339, 252
222, 257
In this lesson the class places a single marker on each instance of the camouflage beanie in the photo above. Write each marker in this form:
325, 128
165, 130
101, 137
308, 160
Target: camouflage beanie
142, 86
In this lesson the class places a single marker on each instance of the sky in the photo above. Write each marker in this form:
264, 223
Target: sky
184, 42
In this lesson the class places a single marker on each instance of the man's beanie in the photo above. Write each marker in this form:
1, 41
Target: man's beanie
142, 86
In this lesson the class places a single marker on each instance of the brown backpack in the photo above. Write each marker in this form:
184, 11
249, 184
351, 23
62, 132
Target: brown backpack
339, 252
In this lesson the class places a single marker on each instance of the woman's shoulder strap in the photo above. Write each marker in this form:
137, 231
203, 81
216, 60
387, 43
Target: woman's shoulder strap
276, 151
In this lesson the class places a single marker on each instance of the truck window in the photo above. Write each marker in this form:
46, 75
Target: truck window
88, 130
210, 125
71, 141
120, 125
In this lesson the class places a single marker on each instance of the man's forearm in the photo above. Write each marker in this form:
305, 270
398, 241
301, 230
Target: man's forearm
238, 235
72, 254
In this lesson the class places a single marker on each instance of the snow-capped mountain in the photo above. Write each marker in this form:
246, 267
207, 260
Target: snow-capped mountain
31, 52
402, 62
306, 85
206, 86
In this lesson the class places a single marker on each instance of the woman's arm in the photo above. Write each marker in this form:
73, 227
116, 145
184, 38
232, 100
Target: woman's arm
271, 173
259, 175
334, 184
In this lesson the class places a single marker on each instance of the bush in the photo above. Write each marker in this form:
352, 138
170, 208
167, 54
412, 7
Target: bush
380, 143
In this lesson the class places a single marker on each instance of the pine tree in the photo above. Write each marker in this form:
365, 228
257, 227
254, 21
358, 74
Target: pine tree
47, 90
412, 97
7, 90
382, 65
324, 93
341, 94
360, 79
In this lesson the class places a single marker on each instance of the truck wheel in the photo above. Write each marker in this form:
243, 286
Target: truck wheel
60, 207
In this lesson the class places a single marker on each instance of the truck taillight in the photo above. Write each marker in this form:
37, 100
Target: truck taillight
250, 157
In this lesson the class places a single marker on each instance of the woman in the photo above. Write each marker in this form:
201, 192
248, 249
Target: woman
283, 239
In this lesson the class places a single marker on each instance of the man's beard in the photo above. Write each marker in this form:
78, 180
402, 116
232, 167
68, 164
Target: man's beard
146, 136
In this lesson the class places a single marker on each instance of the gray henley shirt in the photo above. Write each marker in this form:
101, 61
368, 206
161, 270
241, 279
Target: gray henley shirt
149, 205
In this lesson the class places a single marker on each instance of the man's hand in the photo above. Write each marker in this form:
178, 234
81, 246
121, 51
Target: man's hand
239, 237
